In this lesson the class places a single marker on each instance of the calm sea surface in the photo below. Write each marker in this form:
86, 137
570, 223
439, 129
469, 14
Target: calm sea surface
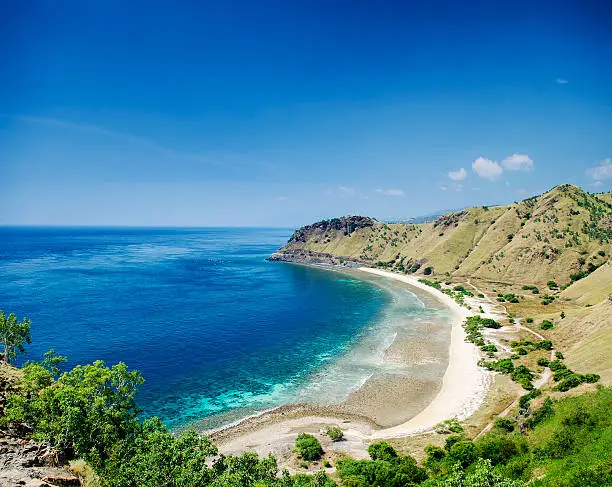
216, 330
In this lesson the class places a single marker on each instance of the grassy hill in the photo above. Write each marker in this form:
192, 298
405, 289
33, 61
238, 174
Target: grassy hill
551, 252
563, 233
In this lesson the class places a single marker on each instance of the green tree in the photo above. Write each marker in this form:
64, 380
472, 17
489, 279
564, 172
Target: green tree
83, 413
13, 336
308, 447
382, 451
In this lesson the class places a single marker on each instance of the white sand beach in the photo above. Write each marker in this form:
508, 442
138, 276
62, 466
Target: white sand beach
464, 386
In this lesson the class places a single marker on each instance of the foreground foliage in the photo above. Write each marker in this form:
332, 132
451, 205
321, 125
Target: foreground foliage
89, 412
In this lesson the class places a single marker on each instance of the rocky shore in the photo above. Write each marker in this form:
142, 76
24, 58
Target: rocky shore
301, 256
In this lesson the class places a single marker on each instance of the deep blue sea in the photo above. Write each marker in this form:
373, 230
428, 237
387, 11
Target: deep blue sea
217, 331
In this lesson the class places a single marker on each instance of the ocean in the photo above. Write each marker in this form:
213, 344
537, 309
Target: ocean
218, 332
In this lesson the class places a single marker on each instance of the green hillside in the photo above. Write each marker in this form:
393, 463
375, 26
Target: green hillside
561, 233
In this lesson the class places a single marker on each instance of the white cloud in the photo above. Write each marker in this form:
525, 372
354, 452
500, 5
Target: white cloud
390, 192
458, 175
443, 188
518, 162
601, 172
346, 191
596, 184
561, 81
487, 169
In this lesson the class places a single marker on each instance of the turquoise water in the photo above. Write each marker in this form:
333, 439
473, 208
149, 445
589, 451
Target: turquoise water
217, 331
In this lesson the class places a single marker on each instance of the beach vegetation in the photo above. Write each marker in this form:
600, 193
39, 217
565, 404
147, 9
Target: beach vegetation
335, 433
449, 426
308, 447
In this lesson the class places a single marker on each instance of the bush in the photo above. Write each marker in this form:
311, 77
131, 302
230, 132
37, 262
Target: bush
573, 380
546, 325
382, 451
559, 355
529, 320
544, 345
504, 424
427, 271
449, 426
335, 433
308, 447
497, 448
542, 362
489, 348
464, 452
451, 440
541, 414
552, 285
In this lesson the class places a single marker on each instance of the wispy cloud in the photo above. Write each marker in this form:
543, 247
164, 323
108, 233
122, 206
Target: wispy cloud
488, 169
458, 175
390, 192
562, 81
602, 171
518, 162
126, 137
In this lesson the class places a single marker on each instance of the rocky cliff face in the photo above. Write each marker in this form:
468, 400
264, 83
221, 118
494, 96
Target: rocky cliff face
323, 231
347, 225
22, 461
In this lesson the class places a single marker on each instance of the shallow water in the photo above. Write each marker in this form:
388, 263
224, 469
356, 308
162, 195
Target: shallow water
216, 330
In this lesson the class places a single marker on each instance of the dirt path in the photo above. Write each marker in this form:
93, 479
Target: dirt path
538, 384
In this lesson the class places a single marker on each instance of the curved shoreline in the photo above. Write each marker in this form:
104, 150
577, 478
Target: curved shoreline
464, 386
464, 383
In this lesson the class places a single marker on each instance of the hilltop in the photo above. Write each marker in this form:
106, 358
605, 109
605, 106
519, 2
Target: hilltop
560, 235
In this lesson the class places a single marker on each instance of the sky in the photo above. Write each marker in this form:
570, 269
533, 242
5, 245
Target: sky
277, 113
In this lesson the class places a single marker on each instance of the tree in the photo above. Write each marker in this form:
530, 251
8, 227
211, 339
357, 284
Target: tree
83, 413
13, 335
308, 447
382, 451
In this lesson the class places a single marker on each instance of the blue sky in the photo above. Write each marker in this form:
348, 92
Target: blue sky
280, 113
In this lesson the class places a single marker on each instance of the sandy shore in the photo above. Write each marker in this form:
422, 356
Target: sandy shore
463, 388
464, 384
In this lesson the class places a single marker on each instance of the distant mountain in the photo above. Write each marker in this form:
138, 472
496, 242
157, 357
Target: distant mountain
421, 219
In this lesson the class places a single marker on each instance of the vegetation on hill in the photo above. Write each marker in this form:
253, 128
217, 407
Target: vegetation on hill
563, 235
90, 413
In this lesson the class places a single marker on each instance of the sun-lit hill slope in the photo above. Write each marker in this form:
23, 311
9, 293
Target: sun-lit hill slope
564, 232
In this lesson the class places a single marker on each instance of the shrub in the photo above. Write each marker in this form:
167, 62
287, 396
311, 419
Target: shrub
552, 285
543, 362
559, 355
497, 448
544, 345
572, 380
541, 414
427, 271
489, 348
464, 452
434, 453
451, 440
504, 424
546, 325
335, 433
529, 320
308, 447
382, 451
449, 426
